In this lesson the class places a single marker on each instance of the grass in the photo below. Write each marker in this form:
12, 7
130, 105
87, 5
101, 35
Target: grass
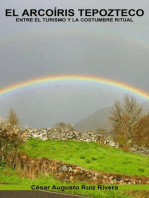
89, 155
9, 176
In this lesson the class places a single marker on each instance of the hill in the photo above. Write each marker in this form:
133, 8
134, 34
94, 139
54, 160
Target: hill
89, 155
100, 119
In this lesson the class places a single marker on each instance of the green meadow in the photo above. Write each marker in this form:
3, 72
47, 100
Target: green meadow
9, 176
89, 155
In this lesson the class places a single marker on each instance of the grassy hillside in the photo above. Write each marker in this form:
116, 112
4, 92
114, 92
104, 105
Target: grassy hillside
13, 177
89, 155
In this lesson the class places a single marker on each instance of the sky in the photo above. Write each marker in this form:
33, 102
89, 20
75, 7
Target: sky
117, 51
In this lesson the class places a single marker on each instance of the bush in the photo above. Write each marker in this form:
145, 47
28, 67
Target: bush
10, 134
2, 165
122, 141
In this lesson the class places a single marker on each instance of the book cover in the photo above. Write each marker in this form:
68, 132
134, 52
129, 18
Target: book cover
74, 98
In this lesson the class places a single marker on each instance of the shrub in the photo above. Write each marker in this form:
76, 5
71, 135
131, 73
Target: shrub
2, 165
12, 120
10, 134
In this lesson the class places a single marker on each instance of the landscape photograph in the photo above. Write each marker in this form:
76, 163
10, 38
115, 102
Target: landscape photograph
74, 99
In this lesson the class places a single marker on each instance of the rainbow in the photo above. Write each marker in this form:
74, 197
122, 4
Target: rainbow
68, 78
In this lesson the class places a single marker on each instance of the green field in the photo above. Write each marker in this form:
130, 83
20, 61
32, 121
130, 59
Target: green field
89, 155
9, 176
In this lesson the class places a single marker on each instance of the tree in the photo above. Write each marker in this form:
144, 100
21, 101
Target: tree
12, 119
60, 125
141, 131
124, 116
70, 127
1, 123
64, 126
